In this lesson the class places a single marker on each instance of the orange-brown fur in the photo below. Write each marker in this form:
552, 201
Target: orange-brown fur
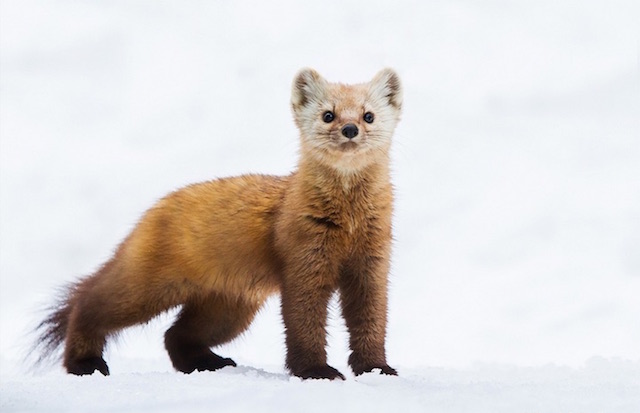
220, 248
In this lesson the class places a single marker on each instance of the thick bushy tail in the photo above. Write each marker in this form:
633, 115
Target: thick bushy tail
52, 330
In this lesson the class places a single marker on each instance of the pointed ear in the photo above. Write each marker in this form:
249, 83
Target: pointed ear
387, 84
308, 85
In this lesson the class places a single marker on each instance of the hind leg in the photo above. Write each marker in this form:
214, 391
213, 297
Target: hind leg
204, 323
102, 305
83, 354
86, 333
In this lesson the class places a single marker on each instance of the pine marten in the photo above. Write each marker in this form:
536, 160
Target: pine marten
218, 249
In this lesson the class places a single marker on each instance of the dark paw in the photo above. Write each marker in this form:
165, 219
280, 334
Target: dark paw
212, 362
320, 372
202, 362
384, 369
87, 366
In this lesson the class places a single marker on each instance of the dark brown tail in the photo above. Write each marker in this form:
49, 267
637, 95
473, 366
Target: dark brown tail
53, 329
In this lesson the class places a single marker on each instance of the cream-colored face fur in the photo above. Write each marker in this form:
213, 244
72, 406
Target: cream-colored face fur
312, 97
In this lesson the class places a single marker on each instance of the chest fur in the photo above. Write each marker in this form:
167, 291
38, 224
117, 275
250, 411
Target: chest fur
336, 222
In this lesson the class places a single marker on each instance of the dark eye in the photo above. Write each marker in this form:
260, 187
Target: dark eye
368, 117
328, 117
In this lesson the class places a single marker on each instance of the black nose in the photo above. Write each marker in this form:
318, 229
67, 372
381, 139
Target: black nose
350, 130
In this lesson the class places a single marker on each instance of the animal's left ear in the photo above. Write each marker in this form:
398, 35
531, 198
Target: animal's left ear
387, 84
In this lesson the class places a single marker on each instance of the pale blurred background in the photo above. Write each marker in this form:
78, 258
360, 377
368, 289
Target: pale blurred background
516, 164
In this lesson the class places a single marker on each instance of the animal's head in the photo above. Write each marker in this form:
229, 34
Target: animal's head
346, 126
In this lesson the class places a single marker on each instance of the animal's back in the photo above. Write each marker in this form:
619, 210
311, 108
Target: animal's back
216, 236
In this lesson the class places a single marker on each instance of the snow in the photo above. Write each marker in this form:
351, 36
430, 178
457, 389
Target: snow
601, 386
515, 271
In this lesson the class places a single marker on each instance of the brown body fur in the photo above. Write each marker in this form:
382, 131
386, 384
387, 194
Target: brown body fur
222, 247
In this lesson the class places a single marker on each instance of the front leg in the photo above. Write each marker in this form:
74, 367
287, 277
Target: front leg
305, 298
363, 295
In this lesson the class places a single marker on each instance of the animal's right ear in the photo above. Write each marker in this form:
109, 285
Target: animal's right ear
308, 86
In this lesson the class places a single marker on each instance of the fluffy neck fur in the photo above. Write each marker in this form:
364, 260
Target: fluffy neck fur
344, 199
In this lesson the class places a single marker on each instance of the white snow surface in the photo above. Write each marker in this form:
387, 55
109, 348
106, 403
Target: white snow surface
516, 266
